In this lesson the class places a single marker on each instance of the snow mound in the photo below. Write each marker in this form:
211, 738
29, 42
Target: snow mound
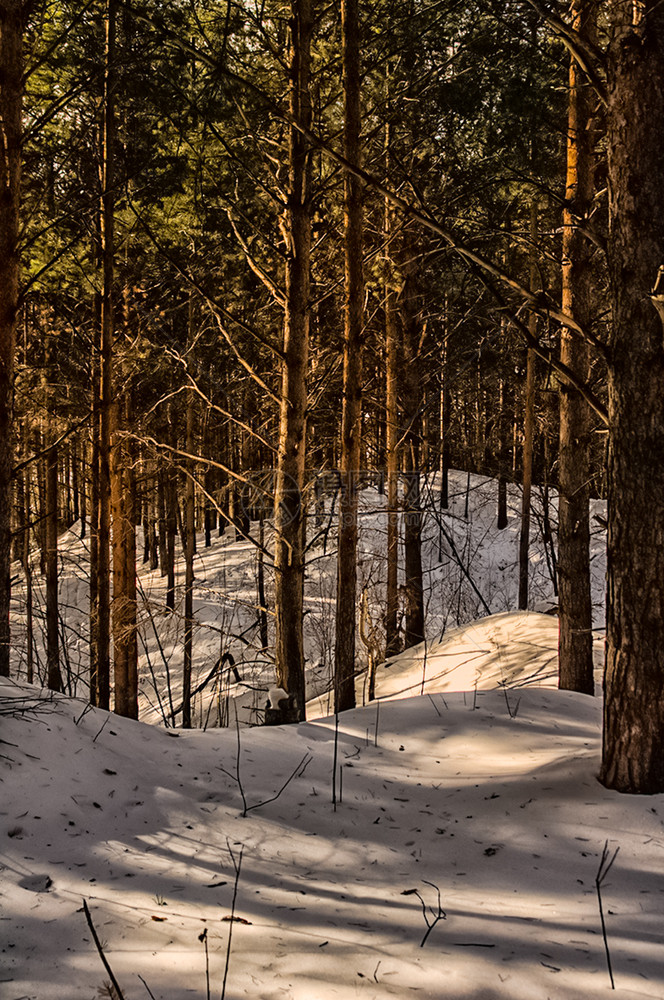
510, 650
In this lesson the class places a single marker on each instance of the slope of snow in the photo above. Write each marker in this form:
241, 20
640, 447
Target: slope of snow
510, 650
469, 785
470, 569
488, 797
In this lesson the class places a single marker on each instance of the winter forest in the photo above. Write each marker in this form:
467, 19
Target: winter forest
332, 446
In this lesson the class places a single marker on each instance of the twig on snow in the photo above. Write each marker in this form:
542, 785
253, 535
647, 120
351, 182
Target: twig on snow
150, 993
203, 937
605, 866
436, 915
334, 761
297, 772
116, 985
237, 865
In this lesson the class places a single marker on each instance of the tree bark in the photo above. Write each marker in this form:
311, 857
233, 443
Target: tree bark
190, 545
11, 101
95, 427
412, 406
106, 373
125, 646
161, 502
27, 573
351, 421
528, 434
575, 640
633, 747
171, 532
392, 641
503, 429
445, 406
289, 507
52, 622
260, 582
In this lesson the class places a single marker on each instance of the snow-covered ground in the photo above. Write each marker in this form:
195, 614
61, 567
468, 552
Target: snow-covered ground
483, 802
446, 844
469, 566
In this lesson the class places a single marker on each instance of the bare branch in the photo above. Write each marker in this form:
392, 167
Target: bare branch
260, 272
589, 57
116, 985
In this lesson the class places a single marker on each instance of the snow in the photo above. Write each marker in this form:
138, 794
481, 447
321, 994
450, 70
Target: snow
486, 794
470, 785
469, 567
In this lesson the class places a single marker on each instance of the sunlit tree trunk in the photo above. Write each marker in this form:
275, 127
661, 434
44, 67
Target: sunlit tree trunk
51, 504
106, 368
94, 502
11, 99
412, 405
392, 644
52, 621
190, 545
351, 423
289, 506
392, 641
528, 436
27, 573
575, 642
125, 649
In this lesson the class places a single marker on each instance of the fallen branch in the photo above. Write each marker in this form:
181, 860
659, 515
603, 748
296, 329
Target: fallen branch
437, 914
116, 985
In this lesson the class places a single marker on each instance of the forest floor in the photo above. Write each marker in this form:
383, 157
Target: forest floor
453, 850
471, 817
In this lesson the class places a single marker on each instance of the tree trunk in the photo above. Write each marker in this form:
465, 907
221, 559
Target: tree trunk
412, 399
502, 459
633, 751
11, 99
528, 434
27, 573
107, 331
575, 639
125, 649
190, 545
445, 403
171, 532
161, 500
392, 640
260, 573
94, 504
52, 623
527, 474
289, 509
83, 488
351, 422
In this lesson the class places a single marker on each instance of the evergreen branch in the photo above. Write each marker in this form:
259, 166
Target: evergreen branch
537, 302
55, 44
214, 304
